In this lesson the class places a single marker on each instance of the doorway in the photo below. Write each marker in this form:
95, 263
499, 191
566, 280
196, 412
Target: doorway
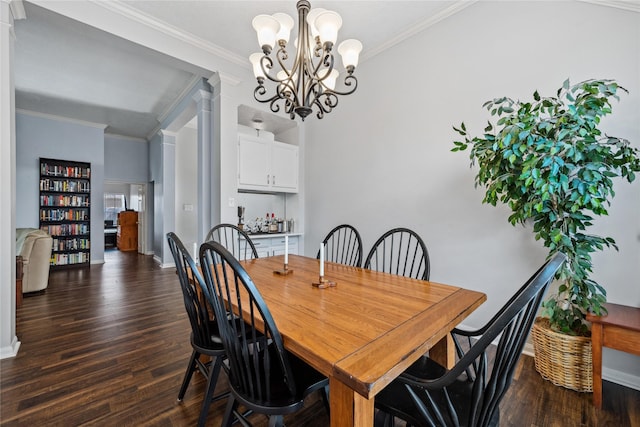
123, 197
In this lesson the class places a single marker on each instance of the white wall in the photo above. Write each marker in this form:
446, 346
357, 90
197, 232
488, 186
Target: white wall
382, 159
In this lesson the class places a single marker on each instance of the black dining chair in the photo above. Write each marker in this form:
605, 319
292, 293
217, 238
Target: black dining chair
263, 376
468, 394
343, 245
205, 338
235, 240
400, 251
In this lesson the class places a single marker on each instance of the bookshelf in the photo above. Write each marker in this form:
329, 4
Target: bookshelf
65, 202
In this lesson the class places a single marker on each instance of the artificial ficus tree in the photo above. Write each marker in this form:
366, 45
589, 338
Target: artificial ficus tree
550, 163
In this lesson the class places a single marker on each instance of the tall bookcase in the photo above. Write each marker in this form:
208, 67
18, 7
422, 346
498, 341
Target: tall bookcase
65, 210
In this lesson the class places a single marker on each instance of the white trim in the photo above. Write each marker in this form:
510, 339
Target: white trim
631, 6
17, 9
11, 350
412, 31
161, 265
618, 377
125, 137
228, 79
621, 378
142, 18
61, 119
194, 81
164, 132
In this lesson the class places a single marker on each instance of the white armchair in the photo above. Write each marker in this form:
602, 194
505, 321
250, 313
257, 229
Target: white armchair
35, 247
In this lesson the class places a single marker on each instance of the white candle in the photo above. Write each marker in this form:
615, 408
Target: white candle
286, 249
195, 252
322, 259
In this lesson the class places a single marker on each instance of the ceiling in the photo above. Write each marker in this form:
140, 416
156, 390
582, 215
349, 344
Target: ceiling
70, 69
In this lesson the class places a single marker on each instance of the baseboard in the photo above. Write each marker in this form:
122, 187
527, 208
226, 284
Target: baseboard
158, 260
608, 374
10, 350
621, 378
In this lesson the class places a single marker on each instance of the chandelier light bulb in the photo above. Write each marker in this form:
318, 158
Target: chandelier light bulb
305, 76
350, 51
286, 24
266, 27
257, 67
328, 23
311, 18
331, 79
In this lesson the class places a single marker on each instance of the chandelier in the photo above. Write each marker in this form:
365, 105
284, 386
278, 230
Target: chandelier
307, 80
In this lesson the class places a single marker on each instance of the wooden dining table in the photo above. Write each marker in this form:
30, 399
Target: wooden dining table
363, 332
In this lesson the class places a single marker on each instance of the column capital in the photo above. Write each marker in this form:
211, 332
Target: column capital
11, 11
202, 95
168, 137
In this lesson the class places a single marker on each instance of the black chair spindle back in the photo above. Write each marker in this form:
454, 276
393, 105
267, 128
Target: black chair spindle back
205, 338
235, 240
400, 251
469, 394
263, 376
343, 245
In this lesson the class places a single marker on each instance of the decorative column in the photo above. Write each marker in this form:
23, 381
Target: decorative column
10, 11
207, 184
165, 214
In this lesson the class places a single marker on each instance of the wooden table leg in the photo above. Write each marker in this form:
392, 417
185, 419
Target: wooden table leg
596, 350
349, 408
444, 352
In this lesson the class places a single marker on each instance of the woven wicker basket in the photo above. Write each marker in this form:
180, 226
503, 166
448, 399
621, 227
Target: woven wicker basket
564, 360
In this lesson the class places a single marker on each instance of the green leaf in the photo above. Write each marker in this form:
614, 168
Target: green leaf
548, 161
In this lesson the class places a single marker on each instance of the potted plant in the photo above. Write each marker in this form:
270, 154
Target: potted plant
550, 163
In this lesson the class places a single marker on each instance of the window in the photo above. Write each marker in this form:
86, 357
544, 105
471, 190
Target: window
114, 203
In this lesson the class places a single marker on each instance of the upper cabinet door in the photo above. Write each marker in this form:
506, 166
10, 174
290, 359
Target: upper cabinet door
284, 167
254, 158
268, 166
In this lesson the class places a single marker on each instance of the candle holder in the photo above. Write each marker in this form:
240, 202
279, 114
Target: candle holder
324, 283
284, 271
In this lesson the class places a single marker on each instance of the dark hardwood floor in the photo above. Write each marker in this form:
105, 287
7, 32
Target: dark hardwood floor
108, 346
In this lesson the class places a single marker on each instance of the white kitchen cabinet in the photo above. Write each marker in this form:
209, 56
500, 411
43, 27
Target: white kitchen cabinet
254, 168
265, 165
284, 167
269, 246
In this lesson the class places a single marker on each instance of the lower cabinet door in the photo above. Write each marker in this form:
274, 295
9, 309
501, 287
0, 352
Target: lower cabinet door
277, 245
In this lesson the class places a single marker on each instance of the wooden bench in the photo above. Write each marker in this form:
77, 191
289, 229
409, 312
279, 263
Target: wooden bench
620, 330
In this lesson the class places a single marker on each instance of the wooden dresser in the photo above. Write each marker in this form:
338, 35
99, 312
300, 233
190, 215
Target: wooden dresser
128, 231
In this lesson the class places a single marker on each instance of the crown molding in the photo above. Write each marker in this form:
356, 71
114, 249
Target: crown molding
61, 119
124, 137
229, 79
167, 138
129, 12
17, 9
628, 5
188, 88
412, 31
